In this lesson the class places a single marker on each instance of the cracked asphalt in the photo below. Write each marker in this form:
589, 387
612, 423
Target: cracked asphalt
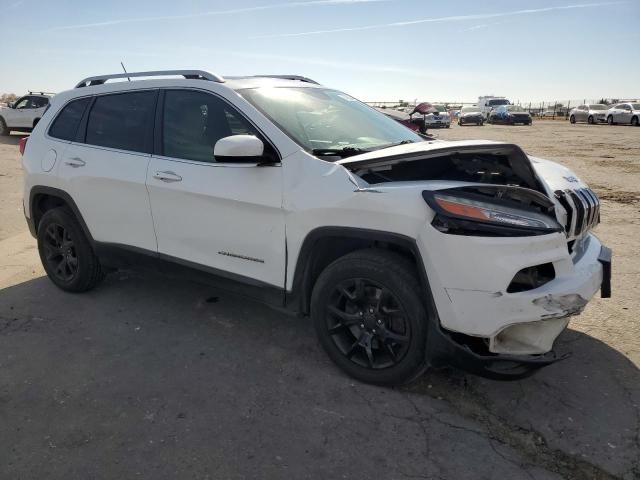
154, 377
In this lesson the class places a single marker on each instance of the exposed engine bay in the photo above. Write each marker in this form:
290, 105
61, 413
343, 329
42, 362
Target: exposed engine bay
502, 164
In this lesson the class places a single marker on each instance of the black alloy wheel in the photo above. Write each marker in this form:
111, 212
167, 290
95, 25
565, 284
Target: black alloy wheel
367, 324
369, 313
66, 252
59, 253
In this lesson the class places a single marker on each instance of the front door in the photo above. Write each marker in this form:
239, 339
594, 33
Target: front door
225, 216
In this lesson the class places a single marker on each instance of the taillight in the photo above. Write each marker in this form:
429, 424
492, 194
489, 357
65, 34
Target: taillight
23, 144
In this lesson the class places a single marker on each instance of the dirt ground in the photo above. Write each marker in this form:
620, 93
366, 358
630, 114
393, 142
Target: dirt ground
146, 377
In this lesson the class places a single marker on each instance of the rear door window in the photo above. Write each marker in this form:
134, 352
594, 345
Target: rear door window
39, 102
123, 121
66, 124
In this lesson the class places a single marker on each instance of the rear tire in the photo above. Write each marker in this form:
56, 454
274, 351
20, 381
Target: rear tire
65, 252
4, 130
634, 121
572, 119
368, 313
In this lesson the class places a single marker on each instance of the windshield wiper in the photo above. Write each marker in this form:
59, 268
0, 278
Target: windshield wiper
339, 152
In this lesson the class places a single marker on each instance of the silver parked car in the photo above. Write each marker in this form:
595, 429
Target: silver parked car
590, 113
628, 113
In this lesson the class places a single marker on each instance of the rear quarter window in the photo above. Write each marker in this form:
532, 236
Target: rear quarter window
65, 126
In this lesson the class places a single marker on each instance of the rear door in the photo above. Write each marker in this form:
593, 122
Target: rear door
38, 106
221, 215
105, 169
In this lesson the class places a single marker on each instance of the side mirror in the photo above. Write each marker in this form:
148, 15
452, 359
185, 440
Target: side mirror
239, 148
11, 105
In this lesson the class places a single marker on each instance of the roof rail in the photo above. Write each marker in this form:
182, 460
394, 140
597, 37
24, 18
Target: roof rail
189, 74
283, 77
35, 92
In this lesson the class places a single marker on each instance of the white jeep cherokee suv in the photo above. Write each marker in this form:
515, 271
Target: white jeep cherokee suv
405, 252
23, 114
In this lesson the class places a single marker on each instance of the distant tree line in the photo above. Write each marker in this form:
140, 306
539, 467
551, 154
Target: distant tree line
8, 97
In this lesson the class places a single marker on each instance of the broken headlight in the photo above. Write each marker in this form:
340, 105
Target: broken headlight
500, 211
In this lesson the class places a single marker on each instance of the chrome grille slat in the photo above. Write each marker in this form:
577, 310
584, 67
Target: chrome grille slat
589, 206
580, 211
583, 210
596, 207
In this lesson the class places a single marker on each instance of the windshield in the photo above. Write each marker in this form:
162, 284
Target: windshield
514, 108
440, 108
598, 107
499, 101
469, 109
323, 120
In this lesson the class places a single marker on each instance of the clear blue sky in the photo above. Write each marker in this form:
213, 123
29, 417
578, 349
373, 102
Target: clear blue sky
373, 49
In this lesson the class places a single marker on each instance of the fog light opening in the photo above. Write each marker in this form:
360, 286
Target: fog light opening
532, 277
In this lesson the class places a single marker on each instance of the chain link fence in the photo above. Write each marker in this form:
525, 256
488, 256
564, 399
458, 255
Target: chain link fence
549, 109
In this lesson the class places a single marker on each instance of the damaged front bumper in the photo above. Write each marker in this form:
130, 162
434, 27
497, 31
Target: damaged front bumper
485, 329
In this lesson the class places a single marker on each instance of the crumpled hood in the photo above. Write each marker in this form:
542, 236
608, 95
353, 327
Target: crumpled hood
393, 165
412, 149
556, 176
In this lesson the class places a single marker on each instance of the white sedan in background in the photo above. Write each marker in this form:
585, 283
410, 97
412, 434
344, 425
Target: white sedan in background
590, 113
628, 113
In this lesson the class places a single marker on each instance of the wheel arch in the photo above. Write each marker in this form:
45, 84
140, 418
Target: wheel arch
43, 198
324, 245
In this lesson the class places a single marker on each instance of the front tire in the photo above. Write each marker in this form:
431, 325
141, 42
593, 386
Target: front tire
65, 252
572, 119
634, 121
368, 313
590, 120
610, 120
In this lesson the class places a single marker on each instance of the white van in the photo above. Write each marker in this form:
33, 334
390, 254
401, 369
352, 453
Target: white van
488, 102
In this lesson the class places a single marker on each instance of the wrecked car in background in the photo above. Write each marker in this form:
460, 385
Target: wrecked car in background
438, 118
405, 252
509, 115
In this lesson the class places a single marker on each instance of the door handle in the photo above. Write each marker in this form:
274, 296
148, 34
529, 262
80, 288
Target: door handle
75, 162
168, 177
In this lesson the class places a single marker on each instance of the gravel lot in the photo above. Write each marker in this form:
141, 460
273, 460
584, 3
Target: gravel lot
149, 377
